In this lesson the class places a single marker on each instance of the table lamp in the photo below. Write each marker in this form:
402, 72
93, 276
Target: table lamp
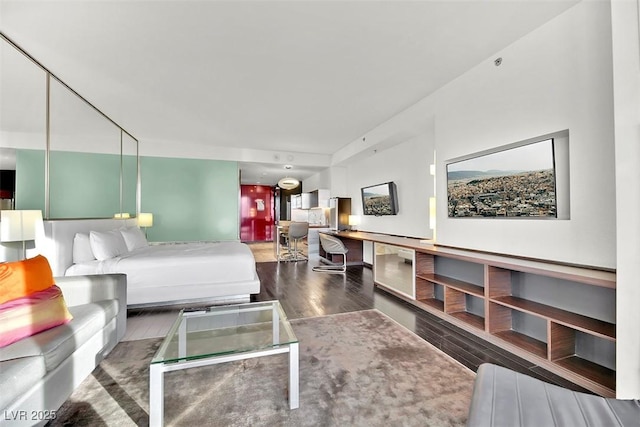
354, 220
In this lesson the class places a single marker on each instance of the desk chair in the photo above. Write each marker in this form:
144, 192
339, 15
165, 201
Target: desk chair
332, 245
297, 232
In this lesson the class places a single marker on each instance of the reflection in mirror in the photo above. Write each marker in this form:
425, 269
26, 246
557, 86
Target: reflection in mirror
129, 174
84, 162
70, 160
23, 127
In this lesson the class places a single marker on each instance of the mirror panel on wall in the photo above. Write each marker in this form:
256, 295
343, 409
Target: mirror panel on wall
71, 160
84, 162
22, 128
129, 174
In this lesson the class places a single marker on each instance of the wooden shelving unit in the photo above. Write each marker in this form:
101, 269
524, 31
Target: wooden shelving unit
558, 353
532, 308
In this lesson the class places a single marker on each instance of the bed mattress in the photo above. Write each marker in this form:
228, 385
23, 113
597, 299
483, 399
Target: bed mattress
179, 271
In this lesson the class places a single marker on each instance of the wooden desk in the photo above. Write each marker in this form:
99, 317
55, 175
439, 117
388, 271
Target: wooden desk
352, 240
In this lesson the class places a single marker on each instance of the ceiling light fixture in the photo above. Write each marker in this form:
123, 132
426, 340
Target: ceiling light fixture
288, 183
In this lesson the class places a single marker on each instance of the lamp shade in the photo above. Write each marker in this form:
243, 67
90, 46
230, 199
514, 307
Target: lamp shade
288, 183
145, 220
354, 219
18, 226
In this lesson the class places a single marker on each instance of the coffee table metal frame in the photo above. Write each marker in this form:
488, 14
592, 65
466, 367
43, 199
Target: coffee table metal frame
157, 370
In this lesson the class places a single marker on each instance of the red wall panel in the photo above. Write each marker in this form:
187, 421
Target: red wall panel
256, 213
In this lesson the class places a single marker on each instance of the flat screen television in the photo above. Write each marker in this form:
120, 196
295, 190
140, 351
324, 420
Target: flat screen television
517, 182
381, 199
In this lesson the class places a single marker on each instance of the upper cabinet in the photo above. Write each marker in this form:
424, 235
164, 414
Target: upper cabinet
305, 200
314, 199
319, 199
296, 201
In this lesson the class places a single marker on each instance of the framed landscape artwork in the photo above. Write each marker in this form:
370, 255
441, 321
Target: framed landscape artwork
518, 182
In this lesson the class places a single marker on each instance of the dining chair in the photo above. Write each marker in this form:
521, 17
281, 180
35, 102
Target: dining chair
297, 232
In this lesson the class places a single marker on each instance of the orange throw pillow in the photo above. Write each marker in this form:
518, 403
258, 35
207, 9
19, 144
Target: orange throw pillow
22, 278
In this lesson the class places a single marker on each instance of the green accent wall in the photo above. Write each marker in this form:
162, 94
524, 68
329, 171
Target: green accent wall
84, 185
129, 183
30, 179
190, 199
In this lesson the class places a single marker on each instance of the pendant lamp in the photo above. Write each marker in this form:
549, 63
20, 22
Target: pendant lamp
288, 183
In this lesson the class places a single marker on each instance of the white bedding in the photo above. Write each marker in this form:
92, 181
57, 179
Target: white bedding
164, 274
171, 264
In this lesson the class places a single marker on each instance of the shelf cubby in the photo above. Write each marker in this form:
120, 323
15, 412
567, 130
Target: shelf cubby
456, 304
449, 282
470, 318
427, 293
576, 321
589, 370
501, 324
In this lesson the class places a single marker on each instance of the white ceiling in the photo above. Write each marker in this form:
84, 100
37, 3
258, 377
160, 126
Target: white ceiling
290, 76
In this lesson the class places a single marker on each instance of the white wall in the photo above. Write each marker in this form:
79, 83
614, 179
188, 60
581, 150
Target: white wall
406, 164
557, 77
625, 17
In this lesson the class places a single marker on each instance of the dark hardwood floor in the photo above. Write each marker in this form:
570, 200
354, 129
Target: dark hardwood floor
305, 293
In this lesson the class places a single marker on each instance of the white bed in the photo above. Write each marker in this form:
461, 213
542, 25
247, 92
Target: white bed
158, 274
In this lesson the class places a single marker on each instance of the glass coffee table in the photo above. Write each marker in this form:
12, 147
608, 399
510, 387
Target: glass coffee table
222, 334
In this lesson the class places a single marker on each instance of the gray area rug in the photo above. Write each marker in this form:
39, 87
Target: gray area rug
356, 369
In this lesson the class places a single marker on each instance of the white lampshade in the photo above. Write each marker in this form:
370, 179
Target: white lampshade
288, 183
145, 220
354, 219
18, 226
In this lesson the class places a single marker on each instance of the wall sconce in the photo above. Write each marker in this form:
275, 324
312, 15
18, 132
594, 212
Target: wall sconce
145, 220
20, 226
354, 221
432, 214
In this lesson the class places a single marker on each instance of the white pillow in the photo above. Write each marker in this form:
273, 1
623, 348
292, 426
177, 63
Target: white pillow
108, 244
82, 249
134, 238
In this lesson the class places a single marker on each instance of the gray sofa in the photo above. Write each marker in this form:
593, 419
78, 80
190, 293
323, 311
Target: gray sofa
502, 397
37, 374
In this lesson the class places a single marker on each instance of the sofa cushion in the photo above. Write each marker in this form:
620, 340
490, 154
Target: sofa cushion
31, 314
25, 277
19, 375
58, 343
502, 397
